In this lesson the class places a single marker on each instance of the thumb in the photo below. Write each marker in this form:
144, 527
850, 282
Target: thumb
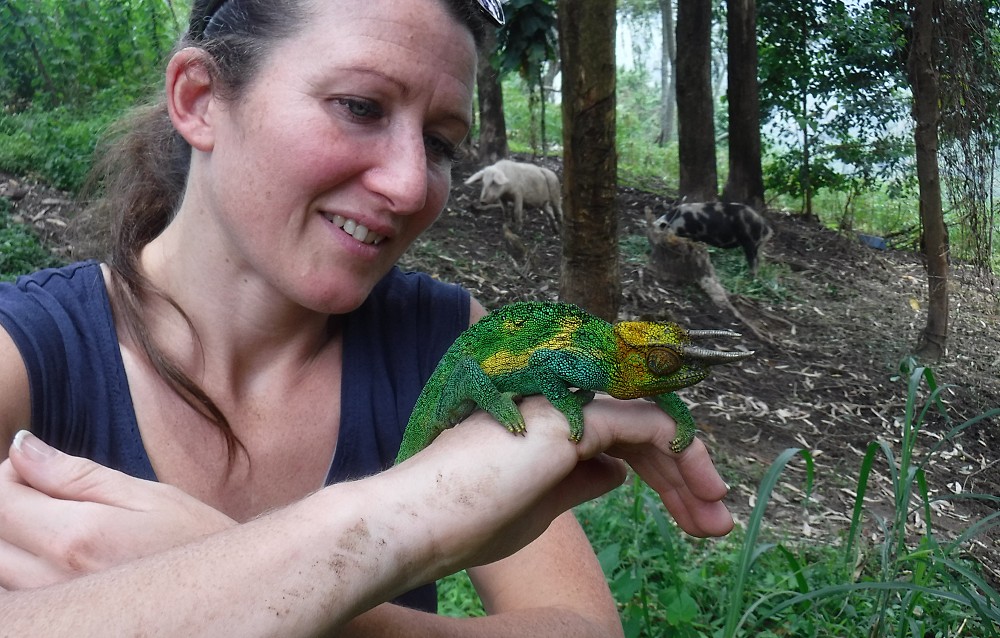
62, 476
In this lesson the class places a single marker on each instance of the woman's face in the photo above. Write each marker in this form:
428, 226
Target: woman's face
337, 156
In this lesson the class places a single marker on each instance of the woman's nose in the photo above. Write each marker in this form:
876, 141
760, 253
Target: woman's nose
400, 175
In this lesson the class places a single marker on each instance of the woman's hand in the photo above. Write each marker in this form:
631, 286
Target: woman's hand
640, 433
504, 490
63, 516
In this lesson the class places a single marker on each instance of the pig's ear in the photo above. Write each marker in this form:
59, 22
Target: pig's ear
500, 178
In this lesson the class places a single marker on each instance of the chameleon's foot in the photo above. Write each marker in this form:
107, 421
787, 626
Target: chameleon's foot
504, 410
571, 405
681, 441
517, 428
672, 405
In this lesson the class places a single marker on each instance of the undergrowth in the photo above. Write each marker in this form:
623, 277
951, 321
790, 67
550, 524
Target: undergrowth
881, 578
56, 145
20, 249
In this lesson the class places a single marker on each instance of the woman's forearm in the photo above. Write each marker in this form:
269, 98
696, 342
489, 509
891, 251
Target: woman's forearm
476, 495
317, 563
291, 572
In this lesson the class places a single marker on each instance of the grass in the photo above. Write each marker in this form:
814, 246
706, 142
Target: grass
877, 580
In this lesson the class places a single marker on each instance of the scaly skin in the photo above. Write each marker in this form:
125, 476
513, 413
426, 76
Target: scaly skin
566, 354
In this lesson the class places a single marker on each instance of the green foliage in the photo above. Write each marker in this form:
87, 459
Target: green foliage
458, 598
67, 69
526, 43
734, 275
665, 584
20, 250
906, 586
521, 119
638, 125
56, 144
635, 249
833, 89
529, 38
54, 52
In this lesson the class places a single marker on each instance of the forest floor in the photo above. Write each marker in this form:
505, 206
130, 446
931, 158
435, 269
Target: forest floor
837, 318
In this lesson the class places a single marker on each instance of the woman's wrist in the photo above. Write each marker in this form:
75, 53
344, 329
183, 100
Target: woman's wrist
445, 495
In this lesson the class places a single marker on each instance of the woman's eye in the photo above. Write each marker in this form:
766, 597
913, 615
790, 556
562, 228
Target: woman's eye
361, 109
440, 150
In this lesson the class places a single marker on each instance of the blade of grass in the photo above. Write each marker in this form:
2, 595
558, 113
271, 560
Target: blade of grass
748, 552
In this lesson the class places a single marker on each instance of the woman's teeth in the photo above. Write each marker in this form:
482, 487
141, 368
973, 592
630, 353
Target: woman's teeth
356, 230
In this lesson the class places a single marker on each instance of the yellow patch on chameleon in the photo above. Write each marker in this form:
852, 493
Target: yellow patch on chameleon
506, 361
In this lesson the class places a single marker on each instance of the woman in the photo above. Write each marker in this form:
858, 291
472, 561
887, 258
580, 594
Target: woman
246, 345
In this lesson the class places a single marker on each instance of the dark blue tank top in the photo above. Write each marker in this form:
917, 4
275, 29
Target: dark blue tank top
61, 321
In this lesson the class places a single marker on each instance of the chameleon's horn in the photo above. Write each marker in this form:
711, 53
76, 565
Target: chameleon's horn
712, 357
713, 333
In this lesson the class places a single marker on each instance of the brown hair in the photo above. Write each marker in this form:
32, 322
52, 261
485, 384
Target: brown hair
142, 167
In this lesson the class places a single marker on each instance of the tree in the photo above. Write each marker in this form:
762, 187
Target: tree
527, 42
790, 89
832, 81
492, 125
924, 84
668, 74
590, 268
65, 53
969, 132
695, 107
746, 177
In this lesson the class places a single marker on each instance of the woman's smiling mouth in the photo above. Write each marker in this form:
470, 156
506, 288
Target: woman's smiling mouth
356, 230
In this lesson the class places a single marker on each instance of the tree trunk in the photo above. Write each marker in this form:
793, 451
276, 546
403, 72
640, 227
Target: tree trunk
804, 120
695, 112
590, 268
492, 126
932, 343
746, 177
541, 103
668, 74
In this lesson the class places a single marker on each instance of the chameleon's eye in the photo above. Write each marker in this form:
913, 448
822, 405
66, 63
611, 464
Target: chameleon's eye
663, 361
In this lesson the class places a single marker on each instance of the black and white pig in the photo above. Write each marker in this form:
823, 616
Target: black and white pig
723, 225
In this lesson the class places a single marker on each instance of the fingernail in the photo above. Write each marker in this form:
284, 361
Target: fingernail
31, 446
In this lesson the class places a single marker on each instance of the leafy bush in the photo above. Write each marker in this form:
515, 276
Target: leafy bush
20, 250
56, 145
59, 53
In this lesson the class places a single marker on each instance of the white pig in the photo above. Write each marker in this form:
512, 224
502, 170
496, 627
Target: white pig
521, 183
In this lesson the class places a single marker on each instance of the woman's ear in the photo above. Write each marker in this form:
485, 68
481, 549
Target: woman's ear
190, 98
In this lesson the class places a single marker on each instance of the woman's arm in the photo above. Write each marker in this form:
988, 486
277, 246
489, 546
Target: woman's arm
476, 495
552, 587
555, 586
307, 567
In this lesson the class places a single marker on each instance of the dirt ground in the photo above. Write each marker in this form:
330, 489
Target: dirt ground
825, 379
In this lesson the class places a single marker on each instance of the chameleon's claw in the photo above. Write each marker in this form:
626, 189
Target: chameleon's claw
681, 443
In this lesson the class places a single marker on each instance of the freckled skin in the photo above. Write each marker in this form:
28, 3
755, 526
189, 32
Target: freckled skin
561, 352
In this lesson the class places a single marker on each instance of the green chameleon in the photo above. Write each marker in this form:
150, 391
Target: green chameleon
564, 353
